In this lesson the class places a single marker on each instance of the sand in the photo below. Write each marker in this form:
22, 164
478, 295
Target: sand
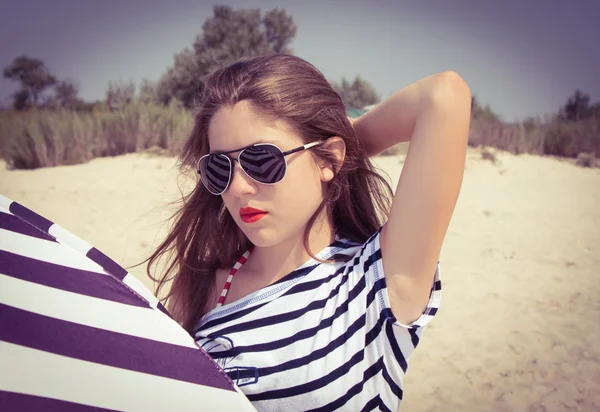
519, 327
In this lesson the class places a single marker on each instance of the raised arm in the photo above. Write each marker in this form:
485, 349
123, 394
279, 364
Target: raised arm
433, 114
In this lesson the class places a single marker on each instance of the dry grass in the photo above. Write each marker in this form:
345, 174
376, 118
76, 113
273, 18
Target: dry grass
50, 138
549, 137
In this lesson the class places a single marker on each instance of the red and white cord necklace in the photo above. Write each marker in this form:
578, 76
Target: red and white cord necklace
234, 269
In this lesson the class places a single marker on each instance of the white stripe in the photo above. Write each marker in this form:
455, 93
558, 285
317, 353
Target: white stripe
68, 238
5, 204
45, 250
224, 292
98, 313
44, 374
229, 278
135, 284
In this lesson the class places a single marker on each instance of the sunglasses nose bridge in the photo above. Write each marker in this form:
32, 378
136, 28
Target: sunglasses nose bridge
237, 173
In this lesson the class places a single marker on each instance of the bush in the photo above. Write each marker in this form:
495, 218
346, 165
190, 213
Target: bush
487, 155
586, 160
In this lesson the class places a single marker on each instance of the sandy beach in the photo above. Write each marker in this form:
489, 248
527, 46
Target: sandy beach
519, 326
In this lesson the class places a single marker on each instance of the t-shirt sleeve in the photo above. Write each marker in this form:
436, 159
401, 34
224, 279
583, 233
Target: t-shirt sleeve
385, 336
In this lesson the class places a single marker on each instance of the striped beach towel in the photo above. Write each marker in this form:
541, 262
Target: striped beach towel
78, 332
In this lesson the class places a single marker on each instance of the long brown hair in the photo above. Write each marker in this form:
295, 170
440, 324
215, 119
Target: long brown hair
204, 237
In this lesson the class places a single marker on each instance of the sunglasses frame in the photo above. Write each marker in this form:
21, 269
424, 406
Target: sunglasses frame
237, 159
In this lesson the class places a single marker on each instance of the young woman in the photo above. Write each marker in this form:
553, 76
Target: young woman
291, 263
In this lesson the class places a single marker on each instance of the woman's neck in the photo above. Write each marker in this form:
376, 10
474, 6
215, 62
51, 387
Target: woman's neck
269, 264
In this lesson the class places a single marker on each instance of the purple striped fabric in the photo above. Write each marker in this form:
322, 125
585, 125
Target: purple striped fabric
21, 402
93, 324
14, 224
66, 278
107, 348
109, 265
32, 218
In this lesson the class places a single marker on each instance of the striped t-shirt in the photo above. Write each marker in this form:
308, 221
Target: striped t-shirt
321, 338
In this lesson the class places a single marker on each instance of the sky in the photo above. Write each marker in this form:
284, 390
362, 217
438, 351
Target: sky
522, 57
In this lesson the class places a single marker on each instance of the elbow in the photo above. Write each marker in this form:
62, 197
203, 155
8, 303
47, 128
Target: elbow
453, 82
451, 89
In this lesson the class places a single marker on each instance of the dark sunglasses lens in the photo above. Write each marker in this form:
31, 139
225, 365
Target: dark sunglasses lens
215, 172
263, 163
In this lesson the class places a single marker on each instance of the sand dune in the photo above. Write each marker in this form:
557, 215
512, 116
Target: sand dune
519, 328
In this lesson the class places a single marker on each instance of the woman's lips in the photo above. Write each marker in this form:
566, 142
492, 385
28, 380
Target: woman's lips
251, 215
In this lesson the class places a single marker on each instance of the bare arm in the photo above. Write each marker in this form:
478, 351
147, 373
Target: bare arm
434, 115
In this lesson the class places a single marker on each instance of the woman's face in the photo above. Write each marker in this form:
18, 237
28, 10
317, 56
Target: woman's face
289, 203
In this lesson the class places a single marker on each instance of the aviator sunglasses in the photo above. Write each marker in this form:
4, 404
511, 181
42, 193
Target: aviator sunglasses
262, 162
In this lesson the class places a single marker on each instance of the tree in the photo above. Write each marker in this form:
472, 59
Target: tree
227, 36
280, 29
578, 107
358, 94
181, 81
34, 78
119, 94
479, 112
65, 94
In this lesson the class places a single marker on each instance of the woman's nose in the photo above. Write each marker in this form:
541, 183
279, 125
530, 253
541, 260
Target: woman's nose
241, 183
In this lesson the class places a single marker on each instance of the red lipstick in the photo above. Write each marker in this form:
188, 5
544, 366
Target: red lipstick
251, 215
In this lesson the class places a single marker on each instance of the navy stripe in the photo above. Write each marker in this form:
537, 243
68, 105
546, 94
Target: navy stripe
109, 265
298, 273
345, 244
235, 315
375, 330
395, 388
340, 257
353, 391
305, 271
303, 334
15, 224
371, 260
374, 403
10, 401
40, 222
389, 331
383, 407
414, 337
313, 284
318, 354
109, 348
280, 318
69, 279
314, 385
389, 315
